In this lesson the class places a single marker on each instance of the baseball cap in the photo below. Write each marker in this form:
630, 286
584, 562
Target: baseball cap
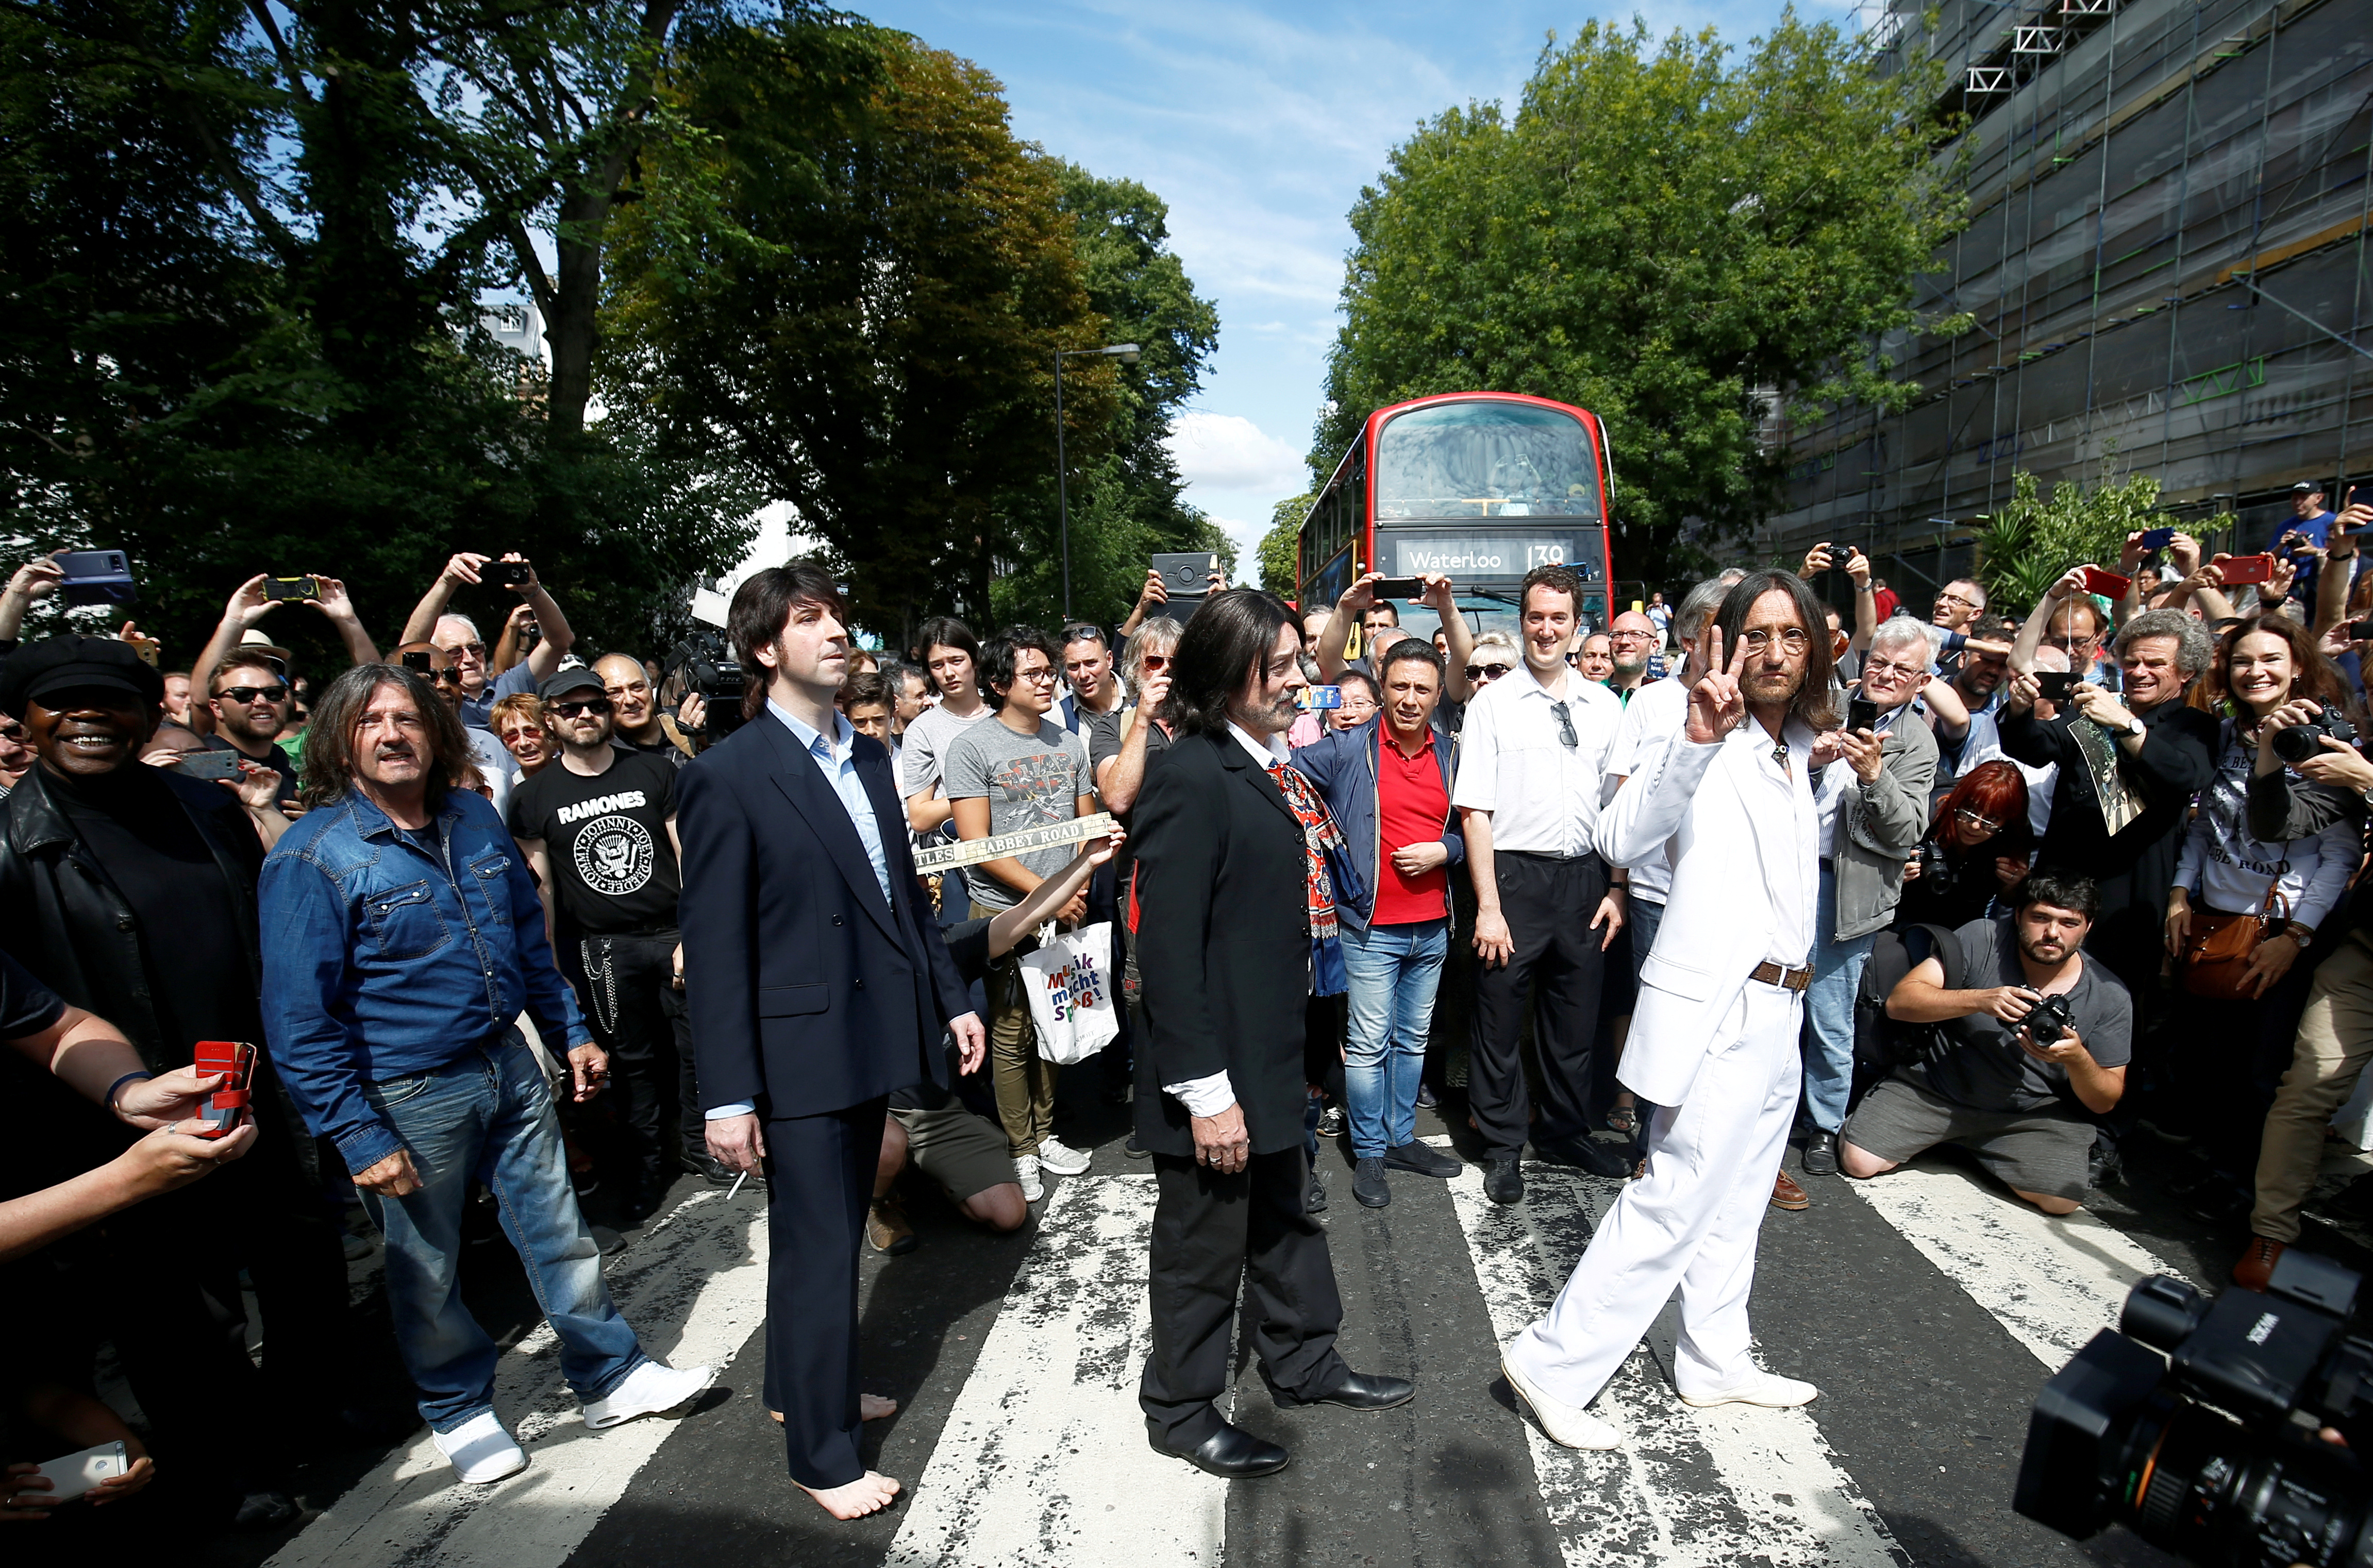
67, 663
562, 682
2306, 487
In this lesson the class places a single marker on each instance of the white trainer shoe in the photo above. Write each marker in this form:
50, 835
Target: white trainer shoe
1026, 1171
481, 1449
1766, 1389
650, 1389
1569, 1424
1061, 1158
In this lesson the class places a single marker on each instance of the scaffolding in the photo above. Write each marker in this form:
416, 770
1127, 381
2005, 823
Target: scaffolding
2166, 262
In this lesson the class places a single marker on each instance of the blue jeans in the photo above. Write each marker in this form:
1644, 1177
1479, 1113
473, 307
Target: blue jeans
1645, 915
1829, 1003
1393, 971
487, 1115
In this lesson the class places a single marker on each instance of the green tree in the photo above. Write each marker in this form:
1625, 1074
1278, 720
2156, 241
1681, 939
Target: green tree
1280, 548
2033, 541
1666, 234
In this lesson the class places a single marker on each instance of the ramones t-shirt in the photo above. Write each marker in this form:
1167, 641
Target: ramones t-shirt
606, 838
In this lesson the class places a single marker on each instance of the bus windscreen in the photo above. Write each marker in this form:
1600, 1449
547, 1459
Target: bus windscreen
1485, 459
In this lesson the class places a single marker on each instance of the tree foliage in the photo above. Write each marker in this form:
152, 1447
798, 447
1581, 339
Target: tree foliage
1280, 548
2033, 541
1670, 235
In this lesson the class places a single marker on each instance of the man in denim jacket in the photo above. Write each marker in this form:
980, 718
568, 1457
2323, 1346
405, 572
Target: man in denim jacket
404, 940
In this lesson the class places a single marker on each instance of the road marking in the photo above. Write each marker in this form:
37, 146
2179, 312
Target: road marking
1734, 1484
1044, 1458
2051, 1283
694, 1287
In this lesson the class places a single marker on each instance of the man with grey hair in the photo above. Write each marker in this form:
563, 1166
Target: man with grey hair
434, 621
2129, 767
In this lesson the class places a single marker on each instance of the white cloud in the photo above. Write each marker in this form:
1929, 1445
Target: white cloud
1227, 451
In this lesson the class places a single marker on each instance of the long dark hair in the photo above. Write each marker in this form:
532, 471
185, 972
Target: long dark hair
1229, 637
1815, 704
330, 738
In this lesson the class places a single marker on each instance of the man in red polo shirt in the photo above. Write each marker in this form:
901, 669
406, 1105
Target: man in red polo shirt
1387, 782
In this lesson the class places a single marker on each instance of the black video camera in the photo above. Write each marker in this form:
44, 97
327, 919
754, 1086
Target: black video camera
2214, 1452
2295, 743
703, 665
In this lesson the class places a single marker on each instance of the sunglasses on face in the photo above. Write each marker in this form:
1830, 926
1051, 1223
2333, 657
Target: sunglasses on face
571, 710
1152, 662
251, 694
1486, 672
446, 677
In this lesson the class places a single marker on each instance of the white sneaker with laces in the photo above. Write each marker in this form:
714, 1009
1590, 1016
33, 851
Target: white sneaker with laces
650, 1389
1569, 1424
481, 1449
1061, 1158
1766, 1389
1026, 1171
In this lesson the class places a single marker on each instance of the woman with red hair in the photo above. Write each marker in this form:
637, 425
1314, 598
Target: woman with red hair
1982, 828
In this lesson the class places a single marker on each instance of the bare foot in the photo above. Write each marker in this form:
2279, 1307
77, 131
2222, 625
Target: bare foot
869, 1494
870, 1407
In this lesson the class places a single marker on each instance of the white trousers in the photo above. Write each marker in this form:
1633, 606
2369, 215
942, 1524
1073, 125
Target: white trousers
1693, 1220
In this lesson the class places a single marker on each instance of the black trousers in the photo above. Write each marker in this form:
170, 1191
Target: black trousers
1548, 903
1209, 1231
638, 1016
820, 1174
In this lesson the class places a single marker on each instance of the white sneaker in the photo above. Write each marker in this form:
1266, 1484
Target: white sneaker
1061, 1158
1767, 1388
1569, 1424
481, 1449
650, 1389
1026, 1171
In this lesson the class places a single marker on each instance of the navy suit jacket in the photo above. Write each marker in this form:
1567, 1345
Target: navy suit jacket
808, 992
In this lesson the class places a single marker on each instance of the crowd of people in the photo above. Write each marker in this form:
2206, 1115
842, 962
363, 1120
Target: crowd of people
520, 932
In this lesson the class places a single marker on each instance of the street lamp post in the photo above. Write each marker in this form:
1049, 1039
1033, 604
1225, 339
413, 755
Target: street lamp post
1127, 355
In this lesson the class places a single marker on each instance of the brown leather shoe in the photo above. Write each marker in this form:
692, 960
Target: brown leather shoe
1786, 1194
887, 1228
2257, 1265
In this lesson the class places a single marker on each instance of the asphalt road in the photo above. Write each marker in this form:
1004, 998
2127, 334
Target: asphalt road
1929, 1308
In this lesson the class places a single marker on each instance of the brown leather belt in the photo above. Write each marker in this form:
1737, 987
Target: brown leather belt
1771, 973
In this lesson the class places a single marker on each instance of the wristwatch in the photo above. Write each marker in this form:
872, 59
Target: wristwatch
2136, 727
2300, 933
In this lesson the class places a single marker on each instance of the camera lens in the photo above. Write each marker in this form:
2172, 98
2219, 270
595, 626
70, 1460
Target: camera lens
2297, 743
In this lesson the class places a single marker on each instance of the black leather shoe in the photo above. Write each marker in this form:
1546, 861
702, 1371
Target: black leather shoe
709, 1169
1503, 1181
1368, 1183
1314, 1201
1422, 1159
1821, 1153
1136, 1150
1587, 1154
1359, 1391
1232, 1453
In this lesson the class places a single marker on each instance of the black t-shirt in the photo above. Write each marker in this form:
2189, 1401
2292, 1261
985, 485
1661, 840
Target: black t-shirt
612, 867
27, 1006
273, 758
200, 980
665, 750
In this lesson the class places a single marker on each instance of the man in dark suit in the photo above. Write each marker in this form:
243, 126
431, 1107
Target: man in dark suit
1226, 901
817, 985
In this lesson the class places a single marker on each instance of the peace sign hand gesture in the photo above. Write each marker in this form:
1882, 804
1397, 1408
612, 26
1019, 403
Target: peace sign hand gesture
1716, 705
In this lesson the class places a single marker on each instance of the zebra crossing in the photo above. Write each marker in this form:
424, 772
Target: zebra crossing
1036, 1453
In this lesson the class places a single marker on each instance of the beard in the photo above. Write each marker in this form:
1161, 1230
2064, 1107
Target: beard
1773, 686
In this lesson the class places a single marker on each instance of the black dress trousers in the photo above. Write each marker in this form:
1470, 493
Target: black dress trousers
820, 1172
1209, 1231
1547, 902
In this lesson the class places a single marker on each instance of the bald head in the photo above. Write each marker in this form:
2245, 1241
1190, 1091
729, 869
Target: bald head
628, 685
1632, 638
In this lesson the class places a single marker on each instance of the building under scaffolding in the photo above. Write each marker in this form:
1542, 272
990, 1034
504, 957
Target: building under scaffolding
2166, 261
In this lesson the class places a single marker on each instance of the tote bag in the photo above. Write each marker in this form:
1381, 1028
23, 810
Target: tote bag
1072, 992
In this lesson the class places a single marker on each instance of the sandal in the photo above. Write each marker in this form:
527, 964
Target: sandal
1624, 1119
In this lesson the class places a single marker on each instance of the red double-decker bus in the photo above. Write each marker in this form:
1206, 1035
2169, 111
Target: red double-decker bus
1482, 485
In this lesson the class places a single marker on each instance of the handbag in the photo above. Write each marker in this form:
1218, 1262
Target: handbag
1069, 982
2217, 951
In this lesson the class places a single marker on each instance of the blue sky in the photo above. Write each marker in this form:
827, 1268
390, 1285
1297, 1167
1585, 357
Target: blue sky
1259, 124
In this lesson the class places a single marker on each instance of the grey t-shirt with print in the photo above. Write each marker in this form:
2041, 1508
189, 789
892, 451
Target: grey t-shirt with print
1029, 781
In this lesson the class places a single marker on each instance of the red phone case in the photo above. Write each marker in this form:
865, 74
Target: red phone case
227, 1106
2248, 569
2106, 583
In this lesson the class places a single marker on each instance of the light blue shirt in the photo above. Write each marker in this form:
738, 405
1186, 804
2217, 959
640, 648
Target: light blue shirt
836, 758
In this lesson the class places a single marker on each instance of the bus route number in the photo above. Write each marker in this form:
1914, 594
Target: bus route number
1544, 555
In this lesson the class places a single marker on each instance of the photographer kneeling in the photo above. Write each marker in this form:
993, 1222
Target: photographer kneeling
2019, 1103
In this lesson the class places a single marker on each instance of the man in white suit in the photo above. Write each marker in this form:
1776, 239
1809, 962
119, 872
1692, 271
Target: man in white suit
1713, 1034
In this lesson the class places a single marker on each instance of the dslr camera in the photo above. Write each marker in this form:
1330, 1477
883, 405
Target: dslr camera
702, 664
1935, 866
2296, 743
2196, 1423
2049, 1019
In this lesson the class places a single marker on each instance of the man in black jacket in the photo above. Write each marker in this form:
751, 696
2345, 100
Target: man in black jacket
130, 890
1225, 897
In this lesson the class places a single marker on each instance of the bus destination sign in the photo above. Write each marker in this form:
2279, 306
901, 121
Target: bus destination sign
1470, 557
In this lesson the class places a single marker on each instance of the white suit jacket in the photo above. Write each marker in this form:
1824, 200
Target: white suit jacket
1718, 921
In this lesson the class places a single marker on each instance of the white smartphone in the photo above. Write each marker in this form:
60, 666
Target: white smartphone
77, 1473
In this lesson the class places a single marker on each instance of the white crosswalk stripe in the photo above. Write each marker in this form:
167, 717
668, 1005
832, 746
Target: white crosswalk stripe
2051, 1283
1044, 1459
1729, 1485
